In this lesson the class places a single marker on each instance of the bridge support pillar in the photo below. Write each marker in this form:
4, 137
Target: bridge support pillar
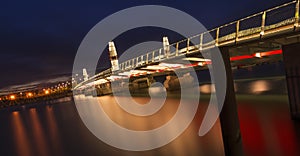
229, 116
291, 58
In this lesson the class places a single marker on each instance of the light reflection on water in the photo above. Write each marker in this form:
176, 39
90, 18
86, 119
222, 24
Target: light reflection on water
38, 132
57, 130
267, 128
207, 88
274, 86
189, 143
55, 138
260, 86
20, 135
33, 136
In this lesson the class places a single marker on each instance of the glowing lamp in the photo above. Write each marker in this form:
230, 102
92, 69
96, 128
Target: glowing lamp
47, 92
12, 97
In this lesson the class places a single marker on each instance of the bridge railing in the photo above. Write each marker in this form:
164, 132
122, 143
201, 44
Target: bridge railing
256, 24
252, 26
281, 16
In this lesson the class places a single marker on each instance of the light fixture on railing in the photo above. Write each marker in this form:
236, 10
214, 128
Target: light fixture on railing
262, 33
201, 64
258, 55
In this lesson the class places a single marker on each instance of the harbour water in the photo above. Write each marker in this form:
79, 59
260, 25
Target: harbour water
57, 129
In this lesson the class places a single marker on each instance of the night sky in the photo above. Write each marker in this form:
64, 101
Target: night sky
39, 39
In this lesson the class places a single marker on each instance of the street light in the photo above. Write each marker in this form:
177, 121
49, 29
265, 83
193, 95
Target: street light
47, 92
12, 97
29, 94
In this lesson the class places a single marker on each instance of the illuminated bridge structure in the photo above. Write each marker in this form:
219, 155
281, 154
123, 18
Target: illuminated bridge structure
256, 39
262, 34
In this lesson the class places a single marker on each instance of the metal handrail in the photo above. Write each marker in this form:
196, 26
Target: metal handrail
150, 56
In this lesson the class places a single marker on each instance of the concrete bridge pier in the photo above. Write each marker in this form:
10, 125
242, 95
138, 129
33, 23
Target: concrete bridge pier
229, 116
291, 58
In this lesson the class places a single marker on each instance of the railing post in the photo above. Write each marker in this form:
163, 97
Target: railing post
177, 50
153, 56
167, 52
137, 61
142, 58
188, 45
166, 47
297, 14
263, 23
237, 29
159, 54
217, 36
147, 58
201, 42
132, 63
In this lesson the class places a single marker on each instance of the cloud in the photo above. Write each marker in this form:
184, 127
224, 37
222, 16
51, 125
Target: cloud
33, 85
